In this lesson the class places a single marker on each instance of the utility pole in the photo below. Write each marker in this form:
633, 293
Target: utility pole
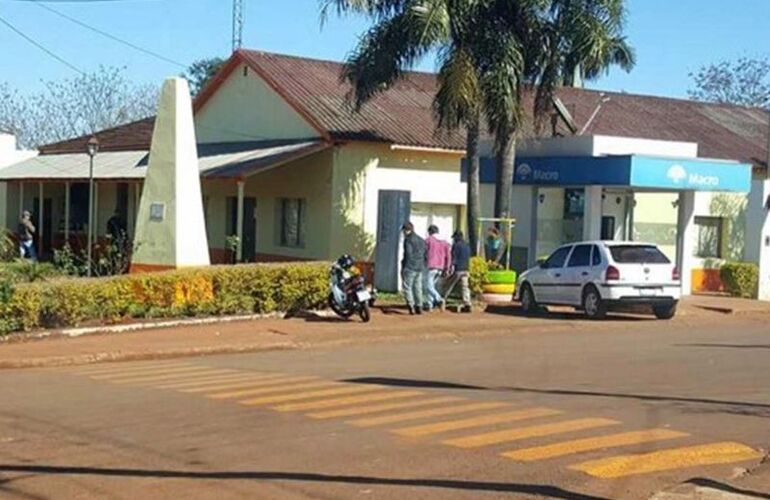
237, 24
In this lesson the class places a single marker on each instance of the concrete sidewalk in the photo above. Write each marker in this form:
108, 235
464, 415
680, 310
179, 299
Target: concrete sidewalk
389, 324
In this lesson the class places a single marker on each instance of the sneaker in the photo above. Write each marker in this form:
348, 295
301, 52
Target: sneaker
442, 306
467, 309
411, 311
418, 310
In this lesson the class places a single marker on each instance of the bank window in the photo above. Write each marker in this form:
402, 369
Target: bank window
709, 237
292, 215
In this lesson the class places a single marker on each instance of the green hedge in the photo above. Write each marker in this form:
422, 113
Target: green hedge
224, 290
477, 275
741, 279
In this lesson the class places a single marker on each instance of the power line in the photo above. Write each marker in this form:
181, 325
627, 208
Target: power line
40, 46
40, 4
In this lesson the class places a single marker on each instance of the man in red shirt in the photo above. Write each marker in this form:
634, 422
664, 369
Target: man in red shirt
439, 262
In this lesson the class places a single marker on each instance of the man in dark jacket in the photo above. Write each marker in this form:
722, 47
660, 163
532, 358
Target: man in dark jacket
461, 257
413, 268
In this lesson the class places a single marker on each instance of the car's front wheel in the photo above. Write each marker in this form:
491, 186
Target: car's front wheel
527, 297
593, 305
665, 312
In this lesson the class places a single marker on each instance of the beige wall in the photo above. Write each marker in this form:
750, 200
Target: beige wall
361, 170
245, 108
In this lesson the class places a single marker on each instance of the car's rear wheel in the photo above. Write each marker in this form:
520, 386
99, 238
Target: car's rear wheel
527, 297
664, 312
593, 305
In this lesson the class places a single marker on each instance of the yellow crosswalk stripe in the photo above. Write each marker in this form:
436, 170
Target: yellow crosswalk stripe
379, 408
169, 376
517, 433
590, 444
480, 421
675, 458
253, 391
332, 403
117, 368
148, 372
282, 379
216, 379
416, 415
307, 395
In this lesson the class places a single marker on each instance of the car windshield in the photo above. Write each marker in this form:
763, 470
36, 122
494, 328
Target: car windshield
638, 254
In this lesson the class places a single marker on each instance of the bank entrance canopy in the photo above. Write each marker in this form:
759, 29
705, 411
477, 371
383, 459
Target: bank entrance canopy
631, 171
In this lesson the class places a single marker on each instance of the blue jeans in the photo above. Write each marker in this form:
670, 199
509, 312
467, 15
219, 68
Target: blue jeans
412, 282
27, 250
432, 296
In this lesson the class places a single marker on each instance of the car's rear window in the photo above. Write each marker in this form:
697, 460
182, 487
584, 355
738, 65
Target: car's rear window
638, 254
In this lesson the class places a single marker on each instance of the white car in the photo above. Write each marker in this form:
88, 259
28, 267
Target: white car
599, 276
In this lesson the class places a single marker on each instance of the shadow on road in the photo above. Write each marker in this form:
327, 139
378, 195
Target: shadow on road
728, 346
515, 310
405, 382
524, 489
710, 483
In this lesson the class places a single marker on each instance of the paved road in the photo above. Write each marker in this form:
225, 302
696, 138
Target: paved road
586, 413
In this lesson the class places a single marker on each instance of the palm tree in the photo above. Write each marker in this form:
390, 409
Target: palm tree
405, 31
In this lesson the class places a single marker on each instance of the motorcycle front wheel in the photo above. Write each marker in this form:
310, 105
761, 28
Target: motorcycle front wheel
339, 310
365, 313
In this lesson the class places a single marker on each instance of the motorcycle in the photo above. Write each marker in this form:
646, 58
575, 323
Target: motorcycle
349, 294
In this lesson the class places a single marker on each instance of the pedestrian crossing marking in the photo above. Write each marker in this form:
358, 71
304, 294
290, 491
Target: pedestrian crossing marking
590, 444
169, 376
282, 379
214, 380
124, 367
331, 403
416, 415
379, 408
675, 458
517, 433
480, 421
268, 388
158, 371
307, 395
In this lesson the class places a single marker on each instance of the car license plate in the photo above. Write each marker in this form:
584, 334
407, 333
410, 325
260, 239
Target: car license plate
649, 292
363, 296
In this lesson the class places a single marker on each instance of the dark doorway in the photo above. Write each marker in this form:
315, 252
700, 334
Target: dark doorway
43, 246
608, 228
249, 244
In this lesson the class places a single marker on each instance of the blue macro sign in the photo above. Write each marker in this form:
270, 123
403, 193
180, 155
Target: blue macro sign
665, 174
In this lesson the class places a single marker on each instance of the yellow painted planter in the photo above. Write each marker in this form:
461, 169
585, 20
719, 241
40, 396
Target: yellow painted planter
504, 289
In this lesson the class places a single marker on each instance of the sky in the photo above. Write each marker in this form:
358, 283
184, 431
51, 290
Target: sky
672, 38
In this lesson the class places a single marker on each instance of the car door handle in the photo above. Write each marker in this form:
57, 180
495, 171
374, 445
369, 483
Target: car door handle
558, 275
584, 273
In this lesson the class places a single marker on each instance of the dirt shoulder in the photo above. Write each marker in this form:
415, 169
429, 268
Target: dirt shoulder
389, 324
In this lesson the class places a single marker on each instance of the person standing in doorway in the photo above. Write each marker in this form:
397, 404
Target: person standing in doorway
461, 260
438, 265
26, 235
412, 268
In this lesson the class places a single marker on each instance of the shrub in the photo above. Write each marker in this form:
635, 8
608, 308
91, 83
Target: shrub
478, 273
741, 279
249, 288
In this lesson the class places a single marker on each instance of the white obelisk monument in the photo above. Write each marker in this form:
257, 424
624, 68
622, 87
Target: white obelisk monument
170, 227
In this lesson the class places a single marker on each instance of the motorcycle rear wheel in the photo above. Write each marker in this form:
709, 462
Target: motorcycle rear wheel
365, 313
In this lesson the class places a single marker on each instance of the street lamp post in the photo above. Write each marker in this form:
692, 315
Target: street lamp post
92, 147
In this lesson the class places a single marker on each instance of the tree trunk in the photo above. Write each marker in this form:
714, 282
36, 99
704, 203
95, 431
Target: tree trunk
474, 193
505, 158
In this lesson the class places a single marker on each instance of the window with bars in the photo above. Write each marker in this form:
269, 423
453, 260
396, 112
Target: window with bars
710, 230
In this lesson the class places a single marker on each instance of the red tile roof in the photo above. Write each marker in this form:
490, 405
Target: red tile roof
134, 136
403, 115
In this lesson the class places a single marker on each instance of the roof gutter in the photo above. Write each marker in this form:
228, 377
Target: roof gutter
426, 149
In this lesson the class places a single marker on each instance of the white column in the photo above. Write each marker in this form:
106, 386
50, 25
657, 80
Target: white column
96, 213
239, 220
758, 233
592, 216
40, 221
66, 212
686, 237
533, 213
